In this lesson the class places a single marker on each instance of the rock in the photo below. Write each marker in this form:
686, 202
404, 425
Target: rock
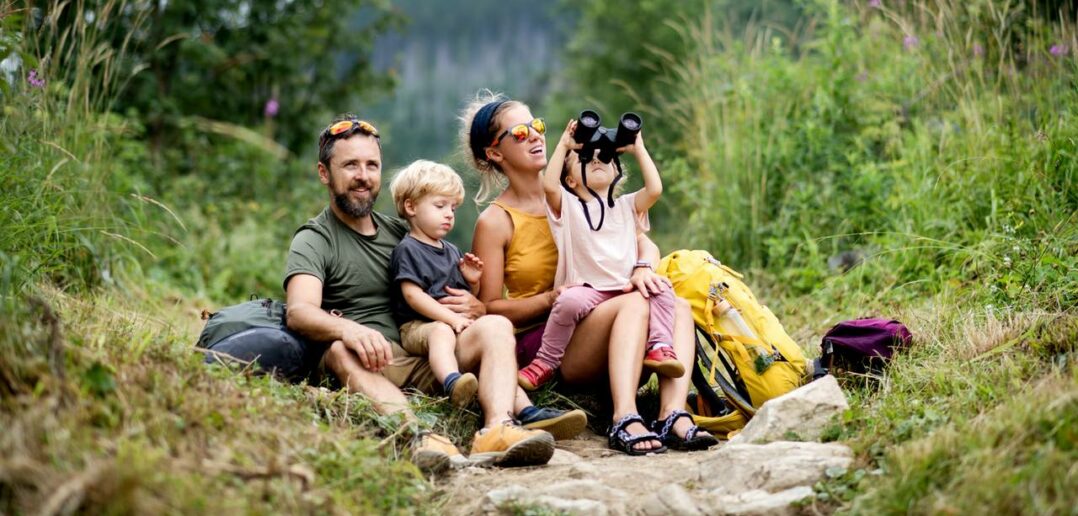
774, 467
760, 502
581, 507
800, 414
563, 457
574, 497
673, 500
582, 470
585, 489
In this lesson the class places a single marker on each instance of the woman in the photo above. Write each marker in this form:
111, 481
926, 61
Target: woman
506, 145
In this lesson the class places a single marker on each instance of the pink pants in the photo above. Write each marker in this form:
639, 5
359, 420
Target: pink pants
573, 305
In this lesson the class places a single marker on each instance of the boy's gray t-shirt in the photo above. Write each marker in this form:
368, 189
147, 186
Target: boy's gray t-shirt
430, 267
353, 268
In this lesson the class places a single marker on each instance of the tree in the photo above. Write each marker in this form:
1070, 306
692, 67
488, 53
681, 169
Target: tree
238, 62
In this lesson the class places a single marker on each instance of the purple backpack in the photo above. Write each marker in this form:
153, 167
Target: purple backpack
862, 345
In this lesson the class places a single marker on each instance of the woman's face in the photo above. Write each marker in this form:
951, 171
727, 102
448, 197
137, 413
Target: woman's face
529, 154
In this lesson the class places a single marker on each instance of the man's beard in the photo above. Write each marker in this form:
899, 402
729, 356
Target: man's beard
355, 208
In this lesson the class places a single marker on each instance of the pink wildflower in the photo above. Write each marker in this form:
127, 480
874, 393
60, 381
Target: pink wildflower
34, 80
910, 42
1058, 50
978, 50
875, 4
272, 106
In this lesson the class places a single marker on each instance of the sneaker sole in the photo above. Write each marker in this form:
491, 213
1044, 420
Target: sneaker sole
464, 390
565, 426
533, 451
669, 369
525, 384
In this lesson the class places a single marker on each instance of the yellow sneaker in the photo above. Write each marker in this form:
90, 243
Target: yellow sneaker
509, 444
433, 454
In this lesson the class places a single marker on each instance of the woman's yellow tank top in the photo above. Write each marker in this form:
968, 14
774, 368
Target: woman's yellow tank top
532, 258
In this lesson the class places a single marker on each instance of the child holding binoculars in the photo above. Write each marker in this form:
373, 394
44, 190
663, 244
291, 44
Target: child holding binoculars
598, 259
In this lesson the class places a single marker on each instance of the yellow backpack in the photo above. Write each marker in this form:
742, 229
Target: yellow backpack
742, 350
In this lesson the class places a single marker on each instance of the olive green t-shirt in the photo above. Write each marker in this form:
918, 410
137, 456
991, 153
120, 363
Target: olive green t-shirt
354, 268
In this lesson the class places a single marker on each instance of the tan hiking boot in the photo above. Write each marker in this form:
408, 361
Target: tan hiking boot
433, 454
464, 389
509, 444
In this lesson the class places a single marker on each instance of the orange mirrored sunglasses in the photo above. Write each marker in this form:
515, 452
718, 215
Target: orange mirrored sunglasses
521, 132
347, 125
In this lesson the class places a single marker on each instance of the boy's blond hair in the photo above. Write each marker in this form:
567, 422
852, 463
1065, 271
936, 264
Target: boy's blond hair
422, 178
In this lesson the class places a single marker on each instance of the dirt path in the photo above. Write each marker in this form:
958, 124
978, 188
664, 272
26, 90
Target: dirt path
582, 470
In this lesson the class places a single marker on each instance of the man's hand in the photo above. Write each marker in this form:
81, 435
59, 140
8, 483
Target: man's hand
647, 282
463, 303
471, 267
371, 347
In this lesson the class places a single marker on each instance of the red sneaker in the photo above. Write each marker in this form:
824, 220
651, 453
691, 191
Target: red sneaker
534, 375
662, 359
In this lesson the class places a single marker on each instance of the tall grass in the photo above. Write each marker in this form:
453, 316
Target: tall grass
60, 203
938, 140
104, 405
932, 146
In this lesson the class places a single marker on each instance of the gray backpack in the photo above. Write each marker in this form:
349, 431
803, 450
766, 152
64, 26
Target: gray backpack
258, 313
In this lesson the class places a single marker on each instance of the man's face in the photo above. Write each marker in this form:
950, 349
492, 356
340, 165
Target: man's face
354, 175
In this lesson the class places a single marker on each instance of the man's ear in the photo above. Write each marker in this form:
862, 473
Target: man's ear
409, 208
323, 173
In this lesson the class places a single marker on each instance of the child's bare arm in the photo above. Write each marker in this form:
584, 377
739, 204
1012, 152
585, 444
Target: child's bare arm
653, 184
552, 174
428, 307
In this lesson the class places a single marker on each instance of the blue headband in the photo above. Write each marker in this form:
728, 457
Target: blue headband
479, 136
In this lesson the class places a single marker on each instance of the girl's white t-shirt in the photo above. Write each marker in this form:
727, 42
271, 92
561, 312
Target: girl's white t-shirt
602, 259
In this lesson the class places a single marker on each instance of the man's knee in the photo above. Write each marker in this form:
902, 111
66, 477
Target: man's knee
494, 325
344, 363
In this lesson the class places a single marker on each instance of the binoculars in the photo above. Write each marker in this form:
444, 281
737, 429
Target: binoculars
604, 140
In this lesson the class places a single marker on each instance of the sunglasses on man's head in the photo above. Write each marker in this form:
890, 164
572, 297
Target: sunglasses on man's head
346, 128
521, 132
346, 125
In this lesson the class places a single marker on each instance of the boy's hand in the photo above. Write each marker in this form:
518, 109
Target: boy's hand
459, 324
634, 148
471, 267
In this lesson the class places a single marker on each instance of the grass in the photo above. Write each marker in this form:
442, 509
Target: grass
108, 408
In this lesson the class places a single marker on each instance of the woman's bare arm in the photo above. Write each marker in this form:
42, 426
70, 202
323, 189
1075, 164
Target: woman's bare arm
493, 231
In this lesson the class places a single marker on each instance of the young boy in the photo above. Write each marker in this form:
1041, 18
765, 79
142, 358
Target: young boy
424, 264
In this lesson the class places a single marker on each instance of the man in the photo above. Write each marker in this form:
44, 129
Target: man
338, 286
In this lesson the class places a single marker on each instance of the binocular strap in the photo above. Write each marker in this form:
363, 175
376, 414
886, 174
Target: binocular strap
609, 195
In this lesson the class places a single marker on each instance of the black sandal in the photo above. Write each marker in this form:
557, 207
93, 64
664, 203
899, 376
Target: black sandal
621, 440
692, 441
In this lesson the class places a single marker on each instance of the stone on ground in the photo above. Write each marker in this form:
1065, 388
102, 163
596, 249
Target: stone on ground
801, 414
773, 467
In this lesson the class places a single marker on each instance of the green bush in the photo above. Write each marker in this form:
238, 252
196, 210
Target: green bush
935, 142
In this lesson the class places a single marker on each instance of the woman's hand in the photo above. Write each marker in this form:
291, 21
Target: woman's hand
553, 295
647, 282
